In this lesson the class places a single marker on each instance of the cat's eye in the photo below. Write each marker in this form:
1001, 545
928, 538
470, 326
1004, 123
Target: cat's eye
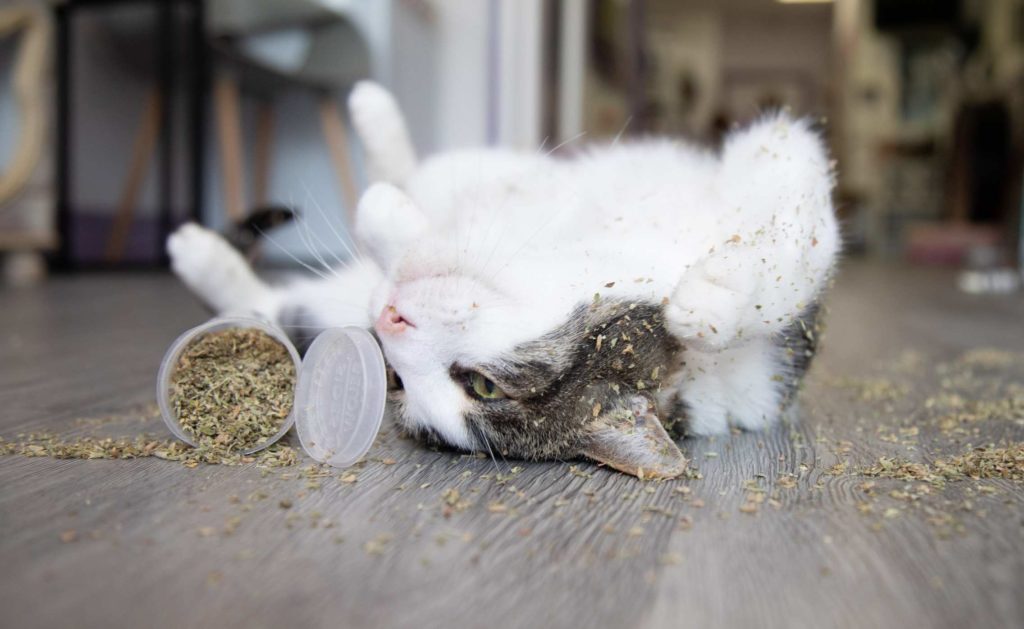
483, 387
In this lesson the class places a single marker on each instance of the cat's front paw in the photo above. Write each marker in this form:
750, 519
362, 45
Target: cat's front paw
707, 310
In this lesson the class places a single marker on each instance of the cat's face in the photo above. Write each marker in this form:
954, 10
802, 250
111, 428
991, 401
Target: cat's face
486, 366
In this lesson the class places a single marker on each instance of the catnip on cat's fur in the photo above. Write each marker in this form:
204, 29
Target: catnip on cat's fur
543, 308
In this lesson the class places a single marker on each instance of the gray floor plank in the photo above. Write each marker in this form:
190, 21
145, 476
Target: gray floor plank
524, 544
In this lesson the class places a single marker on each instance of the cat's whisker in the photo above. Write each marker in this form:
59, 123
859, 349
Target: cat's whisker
622, 130
302, 230
551, 219
481, 436
498, 211
309, 238
529, 239
274, 242
475, 250
490, 230
331, 250
349, 244
572, 139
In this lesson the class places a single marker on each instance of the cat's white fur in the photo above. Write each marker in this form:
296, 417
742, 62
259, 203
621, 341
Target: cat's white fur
485, 249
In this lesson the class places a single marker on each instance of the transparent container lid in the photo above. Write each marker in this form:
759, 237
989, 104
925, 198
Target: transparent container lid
340, 396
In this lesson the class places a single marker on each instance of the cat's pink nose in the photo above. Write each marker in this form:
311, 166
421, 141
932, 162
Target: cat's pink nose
391, 322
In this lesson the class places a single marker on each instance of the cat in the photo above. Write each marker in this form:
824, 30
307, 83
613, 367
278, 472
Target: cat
551, 308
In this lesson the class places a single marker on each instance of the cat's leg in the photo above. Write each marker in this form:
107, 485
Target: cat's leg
220, 277
218, 274
776, 178
309, 306
737, 386
381, 128
444, 182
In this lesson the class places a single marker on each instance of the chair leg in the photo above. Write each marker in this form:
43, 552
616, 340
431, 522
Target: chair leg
229, 137
337, 142
264, 151
142, 153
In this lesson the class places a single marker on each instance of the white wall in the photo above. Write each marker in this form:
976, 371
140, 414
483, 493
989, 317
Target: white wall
460, 89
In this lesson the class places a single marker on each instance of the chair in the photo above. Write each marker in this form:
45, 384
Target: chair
261, 48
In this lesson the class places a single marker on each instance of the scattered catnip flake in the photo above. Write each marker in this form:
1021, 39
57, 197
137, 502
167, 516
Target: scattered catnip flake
378, 545
576, 471
979, 463
670, 559
786, 481
48, 445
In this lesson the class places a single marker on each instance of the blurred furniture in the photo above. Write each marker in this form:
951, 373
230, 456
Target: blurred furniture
267, 47
911, 199
28, 93
258, 49
25, 217
960, 213
179, 58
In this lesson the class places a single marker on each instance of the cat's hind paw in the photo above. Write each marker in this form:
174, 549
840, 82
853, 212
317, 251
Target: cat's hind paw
214, 270
379, 123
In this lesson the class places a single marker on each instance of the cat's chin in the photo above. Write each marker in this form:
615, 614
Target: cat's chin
426, 434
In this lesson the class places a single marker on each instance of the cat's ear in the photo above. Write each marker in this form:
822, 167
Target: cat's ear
631, 439
388, 222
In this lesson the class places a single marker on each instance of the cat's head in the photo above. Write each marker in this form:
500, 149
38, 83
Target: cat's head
505, 367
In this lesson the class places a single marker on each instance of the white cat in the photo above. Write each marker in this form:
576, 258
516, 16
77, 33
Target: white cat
552, 308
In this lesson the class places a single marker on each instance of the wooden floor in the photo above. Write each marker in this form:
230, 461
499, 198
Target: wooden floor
521, 545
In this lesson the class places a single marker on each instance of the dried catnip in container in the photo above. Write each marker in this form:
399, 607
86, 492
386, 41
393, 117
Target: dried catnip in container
229, 385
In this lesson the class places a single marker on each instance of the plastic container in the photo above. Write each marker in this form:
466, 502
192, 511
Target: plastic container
170, 361
340, 391
340, 396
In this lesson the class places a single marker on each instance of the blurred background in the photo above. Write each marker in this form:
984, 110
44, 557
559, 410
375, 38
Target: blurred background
120, 119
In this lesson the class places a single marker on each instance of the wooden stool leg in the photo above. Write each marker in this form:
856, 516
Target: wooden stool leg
229, 137
337, 142
142, 152
263, 152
